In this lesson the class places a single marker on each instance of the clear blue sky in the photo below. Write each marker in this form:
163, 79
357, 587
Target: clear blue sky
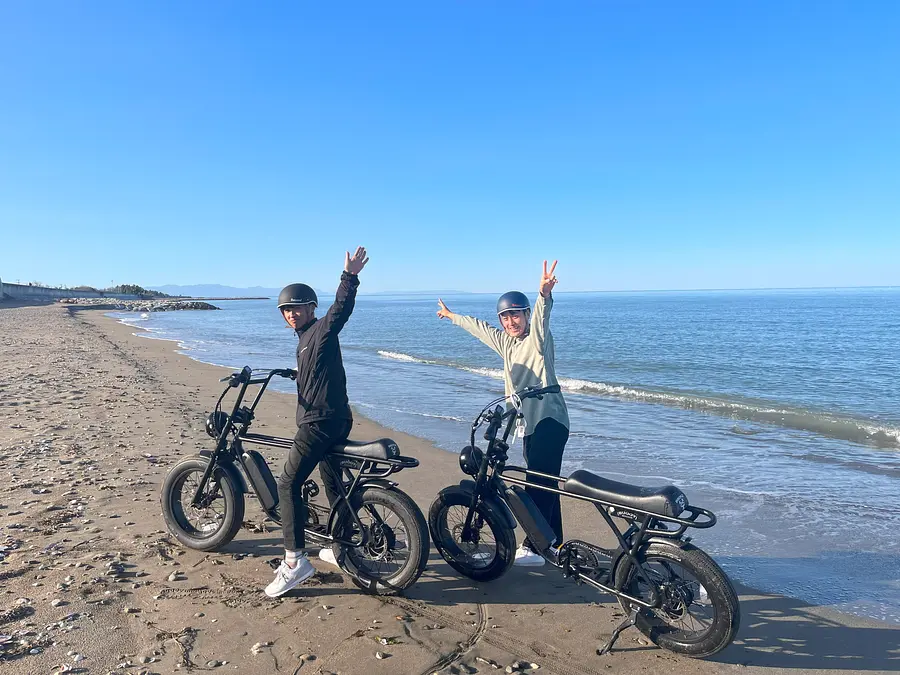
646, 145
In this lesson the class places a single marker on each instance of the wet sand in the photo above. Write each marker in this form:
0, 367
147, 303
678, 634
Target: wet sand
92, 417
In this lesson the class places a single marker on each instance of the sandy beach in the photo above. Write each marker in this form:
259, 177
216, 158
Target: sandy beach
93, 416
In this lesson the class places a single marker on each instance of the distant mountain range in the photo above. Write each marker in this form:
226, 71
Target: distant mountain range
220, 291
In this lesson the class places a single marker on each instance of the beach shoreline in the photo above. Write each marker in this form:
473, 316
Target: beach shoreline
89, 404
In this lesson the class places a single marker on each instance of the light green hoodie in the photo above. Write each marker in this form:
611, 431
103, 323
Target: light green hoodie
527, 361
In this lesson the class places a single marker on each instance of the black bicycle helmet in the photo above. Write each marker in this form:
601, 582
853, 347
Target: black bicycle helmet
511, 301
215, 423
297, 294
470, 460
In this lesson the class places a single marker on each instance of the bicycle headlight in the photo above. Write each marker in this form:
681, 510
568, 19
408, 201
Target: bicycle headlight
470, 460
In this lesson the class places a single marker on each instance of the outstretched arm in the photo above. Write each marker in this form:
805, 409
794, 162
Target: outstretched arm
492, 337
345, 298
540, 317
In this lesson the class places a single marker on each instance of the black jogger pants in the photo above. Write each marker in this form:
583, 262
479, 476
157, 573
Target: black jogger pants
543, 452
311, 444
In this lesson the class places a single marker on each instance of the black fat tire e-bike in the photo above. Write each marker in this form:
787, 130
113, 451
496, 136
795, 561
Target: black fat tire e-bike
378, 533
673, 592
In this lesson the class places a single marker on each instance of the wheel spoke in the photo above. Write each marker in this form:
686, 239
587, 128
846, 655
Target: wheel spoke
478, 553
387, 549
203, 520
683, 606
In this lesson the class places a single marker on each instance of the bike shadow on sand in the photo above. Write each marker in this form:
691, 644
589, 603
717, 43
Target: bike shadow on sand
783, 632
775, 631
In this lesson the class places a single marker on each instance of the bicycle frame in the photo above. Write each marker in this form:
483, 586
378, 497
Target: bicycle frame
494, 476
237, 424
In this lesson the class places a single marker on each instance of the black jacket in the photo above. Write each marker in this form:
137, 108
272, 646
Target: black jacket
321, 381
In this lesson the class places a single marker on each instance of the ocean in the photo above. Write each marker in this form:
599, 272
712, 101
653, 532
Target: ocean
778, 410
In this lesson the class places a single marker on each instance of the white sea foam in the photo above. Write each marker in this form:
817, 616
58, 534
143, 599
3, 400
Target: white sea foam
398, 356
822, 423
496, 373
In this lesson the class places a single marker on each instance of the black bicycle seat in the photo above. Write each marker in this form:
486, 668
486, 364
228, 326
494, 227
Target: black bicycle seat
664, 501
383, 448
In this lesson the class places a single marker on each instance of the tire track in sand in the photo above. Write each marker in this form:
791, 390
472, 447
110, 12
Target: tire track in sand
547, 656
463, 647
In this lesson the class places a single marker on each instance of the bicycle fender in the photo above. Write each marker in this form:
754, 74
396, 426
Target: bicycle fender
379, 483
227, 465
467, 487
668, 541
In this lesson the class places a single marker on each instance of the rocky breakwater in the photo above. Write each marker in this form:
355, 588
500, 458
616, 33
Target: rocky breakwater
150, 305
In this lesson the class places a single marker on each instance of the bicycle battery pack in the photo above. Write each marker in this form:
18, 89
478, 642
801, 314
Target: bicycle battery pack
261, 478
530, 518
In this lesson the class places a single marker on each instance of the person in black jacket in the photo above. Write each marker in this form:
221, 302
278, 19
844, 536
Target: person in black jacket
323, 411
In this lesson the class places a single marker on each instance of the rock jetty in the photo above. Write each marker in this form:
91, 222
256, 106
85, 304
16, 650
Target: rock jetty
150, 305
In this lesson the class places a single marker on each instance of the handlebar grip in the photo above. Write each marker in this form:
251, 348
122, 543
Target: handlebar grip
237, 379
552, 389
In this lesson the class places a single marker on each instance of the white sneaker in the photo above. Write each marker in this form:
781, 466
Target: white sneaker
287, 578
326, 555
525, 557
703, 596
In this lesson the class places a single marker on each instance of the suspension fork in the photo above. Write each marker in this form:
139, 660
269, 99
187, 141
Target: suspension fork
207, 473
482, 478
467, 533
221, 443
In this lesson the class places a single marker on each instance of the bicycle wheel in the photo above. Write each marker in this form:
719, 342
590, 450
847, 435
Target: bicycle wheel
487, 553
698, 613
396, 550
216, 520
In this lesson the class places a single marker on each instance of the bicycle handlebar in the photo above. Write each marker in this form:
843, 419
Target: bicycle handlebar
246, 376
531, 392
497, 415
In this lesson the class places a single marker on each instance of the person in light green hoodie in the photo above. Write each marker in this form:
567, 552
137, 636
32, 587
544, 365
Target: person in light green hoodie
526, 346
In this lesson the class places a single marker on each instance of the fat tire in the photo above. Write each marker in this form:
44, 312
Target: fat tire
418, 544
722, 595
232, 495
504, 536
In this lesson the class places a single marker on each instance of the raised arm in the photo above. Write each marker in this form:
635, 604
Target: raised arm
492, 337
540, 317
345, 298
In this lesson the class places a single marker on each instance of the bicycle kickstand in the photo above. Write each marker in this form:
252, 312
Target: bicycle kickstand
629, 621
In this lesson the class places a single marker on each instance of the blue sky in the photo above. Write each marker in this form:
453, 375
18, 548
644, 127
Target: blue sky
646, 145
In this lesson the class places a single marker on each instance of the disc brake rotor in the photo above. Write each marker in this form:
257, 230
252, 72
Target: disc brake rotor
382, 540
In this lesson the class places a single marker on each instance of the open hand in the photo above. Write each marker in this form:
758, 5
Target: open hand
548, 281
354, 264
443, 312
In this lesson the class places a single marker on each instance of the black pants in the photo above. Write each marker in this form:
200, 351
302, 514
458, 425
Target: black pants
311, 444
543, 452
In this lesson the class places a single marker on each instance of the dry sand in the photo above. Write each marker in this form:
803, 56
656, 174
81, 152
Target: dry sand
92, 417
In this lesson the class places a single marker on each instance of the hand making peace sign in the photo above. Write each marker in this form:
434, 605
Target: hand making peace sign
548, 281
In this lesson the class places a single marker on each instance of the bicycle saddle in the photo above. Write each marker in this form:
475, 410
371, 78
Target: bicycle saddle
383, 448
664, 501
